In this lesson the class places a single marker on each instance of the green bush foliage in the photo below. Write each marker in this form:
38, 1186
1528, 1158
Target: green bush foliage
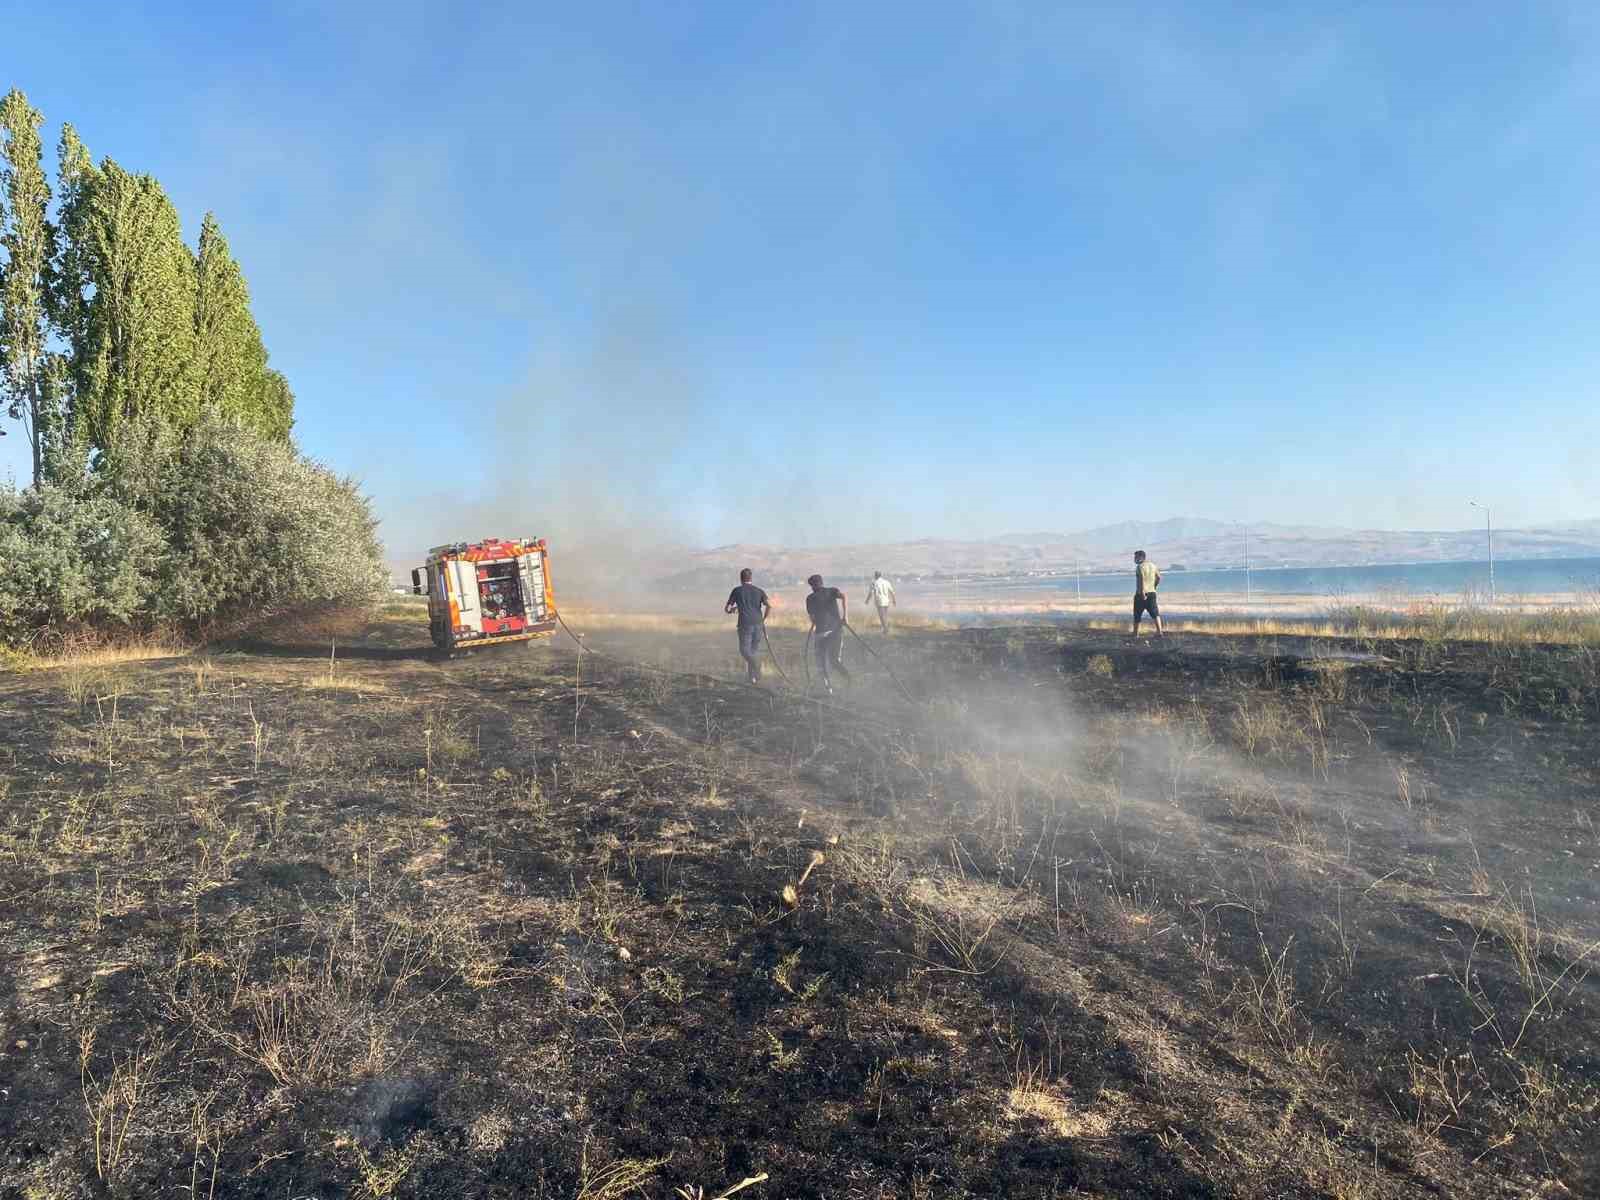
251, 525
73, 556
189, 528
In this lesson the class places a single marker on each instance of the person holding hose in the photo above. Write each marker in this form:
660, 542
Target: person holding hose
750, 602
1145, 581
880, 594
826, 606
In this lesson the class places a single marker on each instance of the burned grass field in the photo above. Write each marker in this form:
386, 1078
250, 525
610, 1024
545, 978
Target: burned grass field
322, 915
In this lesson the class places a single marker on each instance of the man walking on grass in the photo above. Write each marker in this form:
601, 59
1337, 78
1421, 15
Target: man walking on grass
1145, 581
880, 594
826, 607
750, 602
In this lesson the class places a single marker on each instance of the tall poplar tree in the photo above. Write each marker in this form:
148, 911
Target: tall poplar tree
29, 376
274, 405
231, 356
234, 376
71, 276
134, 347
151, 330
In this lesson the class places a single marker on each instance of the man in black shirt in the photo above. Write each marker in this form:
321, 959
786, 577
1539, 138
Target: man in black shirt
826, 608
750, 602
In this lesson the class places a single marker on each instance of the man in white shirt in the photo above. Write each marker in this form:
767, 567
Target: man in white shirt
880, 594
1145, 581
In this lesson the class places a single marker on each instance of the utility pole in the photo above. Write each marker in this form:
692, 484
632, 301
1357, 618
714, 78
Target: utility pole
1488, 529
1247, 564
1077, 569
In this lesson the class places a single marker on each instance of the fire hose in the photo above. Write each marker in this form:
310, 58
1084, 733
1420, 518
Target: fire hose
767, 638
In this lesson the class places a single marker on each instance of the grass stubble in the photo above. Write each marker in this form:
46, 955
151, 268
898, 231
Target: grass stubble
1258, 917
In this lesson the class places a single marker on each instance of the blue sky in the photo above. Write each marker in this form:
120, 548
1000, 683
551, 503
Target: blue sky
814, 273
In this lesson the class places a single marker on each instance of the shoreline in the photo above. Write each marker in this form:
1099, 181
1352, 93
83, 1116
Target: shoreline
1240, 568
1045, 602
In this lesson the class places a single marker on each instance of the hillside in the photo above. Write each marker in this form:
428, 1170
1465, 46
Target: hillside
1196, 543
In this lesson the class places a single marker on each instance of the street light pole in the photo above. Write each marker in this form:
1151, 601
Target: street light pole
1488, 529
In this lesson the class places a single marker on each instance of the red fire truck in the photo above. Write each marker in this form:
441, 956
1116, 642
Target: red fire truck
483, 593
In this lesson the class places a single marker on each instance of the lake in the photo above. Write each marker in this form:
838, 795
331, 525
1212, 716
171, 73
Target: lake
1450, 580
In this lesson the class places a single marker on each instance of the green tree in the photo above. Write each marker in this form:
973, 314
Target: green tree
133, 342
150, 328
28, 376
71, 275
231, 356
274, 405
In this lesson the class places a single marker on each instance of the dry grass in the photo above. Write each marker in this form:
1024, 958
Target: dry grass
1548, 963
1554, 624
617, 1179
84, 655
113, 1100
1032, 1097
1143, 937
343, 683
382, 1175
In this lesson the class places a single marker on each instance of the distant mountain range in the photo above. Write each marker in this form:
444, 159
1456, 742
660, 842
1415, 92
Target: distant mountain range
1173, 529
1192, 543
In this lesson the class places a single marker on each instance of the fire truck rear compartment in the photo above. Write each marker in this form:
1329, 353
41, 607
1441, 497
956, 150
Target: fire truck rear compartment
500, 596
480, 593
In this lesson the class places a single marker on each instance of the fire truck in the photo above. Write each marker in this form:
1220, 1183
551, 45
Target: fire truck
484, 593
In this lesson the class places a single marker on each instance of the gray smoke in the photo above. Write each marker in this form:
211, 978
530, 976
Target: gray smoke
590, 452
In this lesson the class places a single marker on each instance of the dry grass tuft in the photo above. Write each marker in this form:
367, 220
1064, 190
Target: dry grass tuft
112, 1102
1029, 1097
358, 685
695, 1192
86, 655
382, 1175
616, 1179
1032, 1097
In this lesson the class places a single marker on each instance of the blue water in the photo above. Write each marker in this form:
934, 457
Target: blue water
1449, 580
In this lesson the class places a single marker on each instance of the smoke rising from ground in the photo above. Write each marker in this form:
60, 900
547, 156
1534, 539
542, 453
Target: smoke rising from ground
587, 451
625, 455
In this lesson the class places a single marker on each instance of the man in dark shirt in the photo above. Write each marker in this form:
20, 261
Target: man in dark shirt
826, 608
750, 602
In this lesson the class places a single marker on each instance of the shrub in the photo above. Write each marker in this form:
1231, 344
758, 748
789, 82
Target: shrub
73, 555
251, 524
192, 527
